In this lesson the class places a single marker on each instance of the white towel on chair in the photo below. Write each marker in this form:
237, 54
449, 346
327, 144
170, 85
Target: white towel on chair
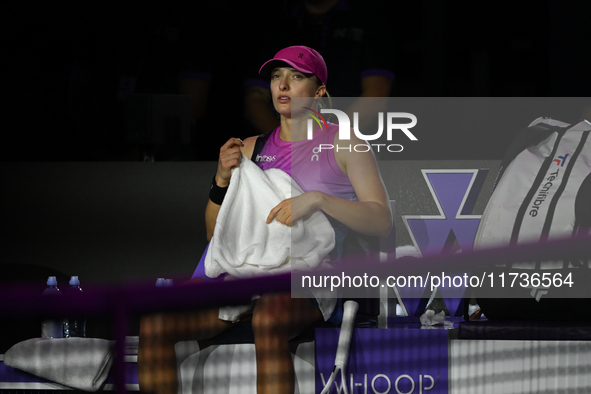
80, 363
244, 245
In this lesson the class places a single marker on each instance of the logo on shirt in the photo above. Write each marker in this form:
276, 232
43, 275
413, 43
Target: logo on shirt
265, 158
315, 153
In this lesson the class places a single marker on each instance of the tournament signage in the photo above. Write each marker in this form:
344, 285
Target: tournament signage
394, 361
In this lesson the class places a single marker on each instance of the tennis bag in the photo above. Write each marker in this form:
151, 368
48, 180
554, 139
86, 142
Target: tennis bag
542, 192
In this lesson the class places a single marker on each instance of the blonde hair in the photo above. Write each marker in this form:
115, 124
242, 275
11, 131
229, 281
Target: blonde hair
325, 102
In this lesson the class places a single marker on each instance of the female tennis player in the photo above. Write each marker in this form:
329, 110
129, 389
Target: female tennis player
346, 185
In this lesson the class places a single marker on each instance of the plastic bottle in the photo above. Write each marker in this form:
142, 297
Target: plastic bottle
74, 326
52, 328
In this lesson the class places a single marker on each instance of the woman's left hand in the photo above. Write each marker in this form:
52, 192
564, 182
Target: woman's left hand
290, 210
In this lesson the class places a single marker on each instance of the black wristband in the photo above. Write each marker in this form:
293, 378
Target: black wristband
216, 193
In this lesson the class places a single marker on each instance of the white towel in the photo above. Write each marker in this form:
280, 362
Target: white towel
80, 363
244, 245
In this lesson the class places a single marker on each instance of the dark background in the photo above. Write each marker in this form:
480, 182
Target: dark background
74, 198
65, 61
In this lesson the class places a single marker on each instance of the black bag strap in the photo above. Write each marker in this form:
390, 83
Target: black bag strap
583, 208
525, 138
259, 144
560, 190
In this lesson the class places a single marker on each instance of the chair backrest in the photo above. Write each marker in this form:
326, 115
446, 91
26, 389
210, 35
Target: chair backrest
373, 248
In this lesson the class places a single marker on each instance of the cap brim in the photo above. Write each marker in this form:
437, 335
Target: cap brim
269, 65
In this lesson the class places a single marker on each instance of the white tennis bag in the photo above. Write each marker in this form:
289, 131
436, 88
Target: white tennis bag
542, 192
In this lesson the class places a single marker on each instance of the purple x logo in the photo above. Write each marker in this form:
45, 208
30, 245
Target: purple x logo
455, 193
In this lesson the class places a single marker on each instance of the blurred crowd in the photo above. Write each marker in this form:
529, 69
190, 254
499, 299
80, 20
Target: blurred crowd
85, 73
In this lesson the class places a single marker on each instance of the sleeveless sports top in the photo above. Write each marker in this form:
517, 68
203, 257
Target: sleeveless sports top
311, 167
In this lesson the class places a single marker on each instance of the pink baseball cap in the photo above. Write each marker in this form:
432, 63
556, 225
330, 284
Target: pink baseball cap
302, 58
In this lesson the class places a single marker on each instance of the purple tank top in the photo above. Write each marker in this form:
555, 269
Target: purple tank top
310, 167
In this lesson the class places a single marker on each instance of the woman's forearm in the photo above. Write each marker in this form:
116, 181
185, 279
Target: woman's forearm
366, 217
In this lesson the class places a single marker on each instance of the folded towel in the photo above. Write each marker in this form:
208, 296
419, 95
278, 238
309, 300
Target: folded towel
244, 245
430, 318
79, 363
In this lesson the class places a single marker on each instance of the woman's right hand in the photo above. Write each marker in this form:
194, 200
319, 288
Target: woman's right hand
230, 157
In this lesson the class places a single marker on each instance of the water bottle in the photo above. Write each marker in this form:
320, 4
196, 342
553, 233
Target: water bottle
74, 326
52, 328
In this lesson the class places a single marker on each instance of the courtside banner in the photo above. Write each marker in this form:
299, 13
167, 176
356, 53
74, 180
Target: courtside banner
411, 360
538, 154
